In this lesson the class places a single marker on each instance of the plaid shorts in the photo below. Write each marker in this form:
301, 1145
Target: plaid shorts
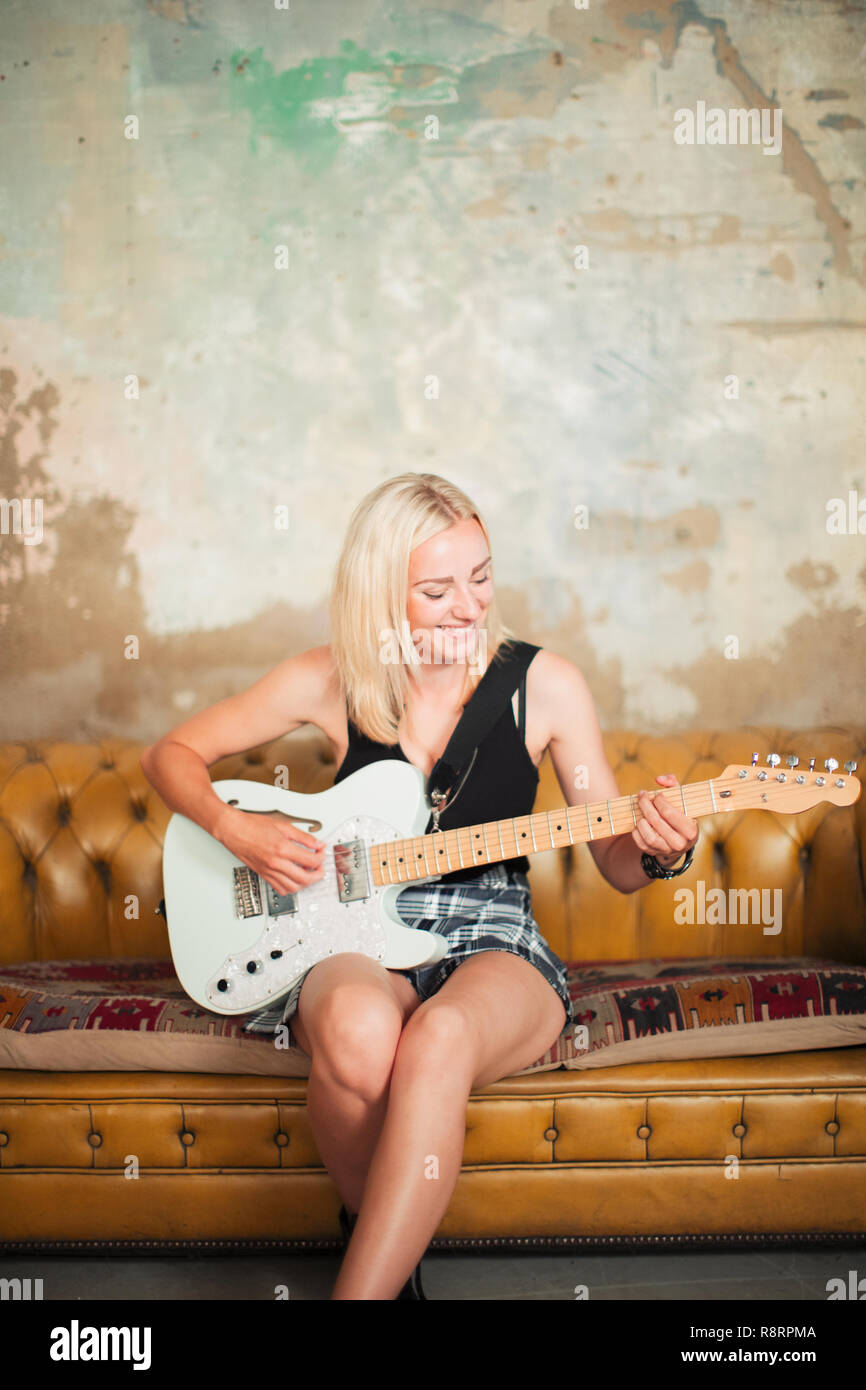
492, 912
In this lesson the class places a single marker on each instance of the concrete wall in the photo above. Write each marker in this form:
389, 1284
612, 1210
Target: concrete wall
258, 258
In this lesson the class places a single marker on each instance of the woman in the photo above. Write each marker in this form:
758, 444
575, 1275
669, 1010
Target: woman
395, 1054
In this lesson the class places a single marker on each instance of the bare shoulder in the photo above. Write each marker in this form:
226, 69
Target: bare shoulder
557, 689
330, 706
317, 669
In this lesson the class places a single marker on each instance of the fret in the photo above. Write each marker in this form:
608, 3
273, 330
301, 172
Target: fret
631, 802
588, 821
712, 794
460, 851
445, 835
683, 799
549, 829
466, 851
568, 823
499, 833
532, 834
484, 838
610, 818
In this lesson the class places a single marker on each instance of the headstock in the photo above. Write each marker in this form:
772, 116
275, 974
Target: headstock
795, 790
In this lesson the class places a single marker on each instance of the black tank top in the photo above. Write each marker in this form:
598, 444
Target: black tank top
501, 784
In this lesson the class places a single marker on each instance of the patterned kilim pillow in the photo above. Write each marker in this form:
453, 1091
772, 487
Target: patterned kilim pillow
124, 1015
664, 1010
133, 1015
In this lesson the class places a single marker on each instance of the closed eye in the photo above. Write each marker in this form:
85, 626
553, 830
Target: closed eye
442, 595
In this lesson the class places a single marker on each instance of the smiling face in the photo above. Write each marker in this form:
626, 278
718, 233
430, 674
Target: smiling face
450, 590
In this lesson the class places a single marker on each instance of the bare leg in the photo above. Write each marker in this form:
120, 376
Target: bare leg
352, 1041
495, 1015
416, 1162
346, 1126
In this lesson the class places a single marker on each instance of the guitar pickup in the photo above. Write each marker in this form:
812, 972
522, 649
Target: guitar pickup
280, 904
352, 876
248, 896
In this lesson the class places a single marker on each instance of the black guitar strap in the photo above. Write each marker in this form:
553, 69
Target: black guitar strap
488, 701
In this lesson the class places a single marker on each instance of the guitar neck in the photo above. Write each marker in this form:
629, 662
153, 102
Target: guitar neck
403, 861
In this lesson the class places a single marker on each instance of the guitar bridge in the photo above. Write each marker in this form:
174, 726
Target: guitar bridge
352, 877
248, 896
248, 893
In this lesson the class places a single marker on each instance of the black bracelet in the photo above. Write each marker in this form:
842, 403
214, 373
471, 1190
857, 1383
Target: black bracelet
653, 869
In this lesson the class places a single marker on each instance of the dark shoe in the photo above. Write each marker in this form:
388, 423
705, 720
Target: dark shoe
412, 1288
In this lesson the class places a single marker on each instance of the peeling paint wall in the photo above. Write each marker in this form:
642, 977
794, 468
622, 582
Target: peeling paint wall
647, 355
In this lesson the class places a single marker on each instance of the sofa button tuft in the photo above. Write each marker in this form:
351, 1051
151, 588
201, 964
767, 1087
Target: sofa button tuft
832, 1126
644, 1132
187, 1138
4, 1138
739, 1130
95, 1140
281, 1138
551, 1134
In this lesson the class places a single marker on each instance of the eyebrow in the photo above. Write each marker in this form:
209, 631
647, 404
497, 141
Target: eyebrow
448, 578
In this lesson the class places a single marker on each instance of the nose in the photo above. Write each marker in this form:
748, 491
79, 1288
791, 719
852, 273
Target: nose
467, 608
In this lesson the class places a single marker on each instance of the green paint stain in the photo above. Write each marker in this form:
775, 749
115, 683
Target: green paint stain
307, 108
312, 109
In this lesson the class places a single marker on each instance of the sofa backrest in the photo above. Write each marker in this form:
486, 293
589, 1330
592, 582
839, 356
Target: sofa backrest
81, 834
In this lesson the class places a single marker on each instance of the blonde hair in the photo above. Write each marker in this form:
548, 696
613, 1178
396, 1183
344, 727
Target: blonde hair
371, 588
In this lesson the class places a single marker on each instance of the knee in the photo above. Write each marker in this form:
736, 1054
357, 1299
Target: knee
357, 1030
439, 1035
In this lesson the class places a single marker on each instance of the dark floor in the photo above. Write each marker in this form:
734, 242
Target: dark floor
762, 1275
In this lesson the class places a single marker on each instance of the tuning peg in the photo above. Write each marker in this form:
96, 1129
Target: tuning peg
773, 760
811, 764
791, 760
754, 759
850, 767
830, 764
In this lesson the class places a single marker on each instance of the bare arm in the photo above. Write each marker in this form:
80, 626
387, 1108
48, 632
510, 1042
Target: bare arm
177, 764
576, 742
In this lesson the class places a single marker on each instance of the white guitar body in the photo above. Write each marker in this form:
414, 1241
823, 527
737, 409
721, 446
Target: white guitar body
232, 953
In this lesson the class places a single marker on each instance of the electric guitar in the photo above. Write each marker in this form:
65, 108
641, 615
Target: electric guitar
238, 945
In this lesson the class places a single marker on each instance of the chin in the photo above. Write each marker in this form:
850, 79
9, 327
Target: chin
457, 647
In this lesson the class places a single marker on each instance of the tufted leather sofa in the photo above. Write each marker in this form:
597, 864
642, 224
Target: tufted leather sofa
640, 1152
